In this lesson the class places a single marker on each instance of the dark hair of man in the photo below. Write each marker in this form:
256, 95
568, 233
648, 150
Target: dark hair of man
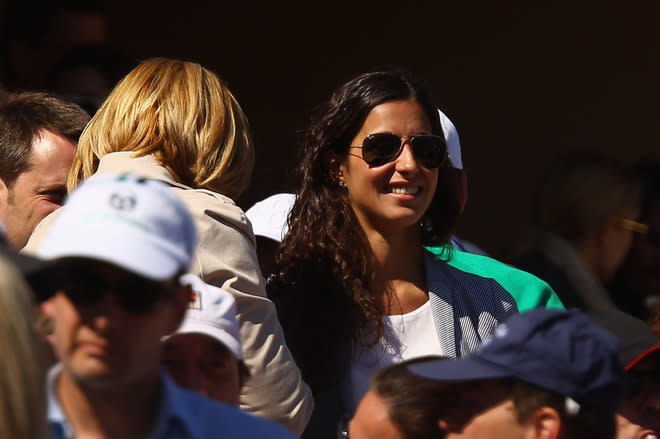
23, 117
324, 296
587, 422
414, 404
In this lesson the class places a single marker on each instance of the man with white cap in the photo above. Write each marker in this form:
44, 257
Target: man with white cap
121, 243
204, 355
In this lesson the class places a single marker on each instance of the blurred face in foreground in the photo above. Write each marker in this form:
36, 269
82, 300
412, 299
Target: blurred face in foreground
372, 420
484, 410
108, 323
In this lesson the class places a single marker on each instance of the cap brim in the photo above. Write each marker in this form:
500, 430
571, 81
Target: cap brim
196, 327
643, 355
37, 272
462, 369
128, 249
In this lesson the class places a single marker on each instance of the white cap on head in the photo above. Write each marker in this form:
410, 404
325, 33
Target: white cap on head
452, 141
135, 223
211, 312
268, 216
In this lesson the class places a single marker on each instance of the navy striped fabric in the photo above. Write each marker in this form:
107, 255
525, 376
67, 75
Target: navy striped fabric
466, 307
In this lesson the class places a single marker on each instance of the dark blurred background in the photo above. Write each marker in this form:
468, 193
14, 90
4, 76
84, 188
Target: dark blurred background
522, 81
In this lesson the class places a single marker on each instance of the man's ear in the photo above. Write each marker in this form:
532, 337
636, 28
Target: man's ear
446, 427
179, 307
546, 423
4, 196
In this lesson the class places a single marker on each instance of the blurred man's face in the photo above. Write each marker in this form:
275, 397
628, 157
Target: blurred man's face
203, 365
106, 340
639, 416
641, 269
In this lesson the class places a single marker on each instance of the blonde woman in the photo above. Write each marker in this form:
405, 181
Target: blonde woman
178, 122
22, 375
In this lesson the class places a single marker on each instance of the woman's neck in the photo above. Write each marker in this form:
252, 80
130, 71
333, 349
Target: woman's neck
399, 272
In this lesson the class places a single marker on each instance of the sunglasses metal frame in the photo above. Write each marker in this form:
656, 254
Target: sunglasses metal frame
634, 226
402, 141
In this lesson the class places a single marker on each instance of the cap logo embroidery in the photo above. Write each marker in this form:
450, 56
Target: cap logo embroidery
501, 331
123, 202
195, 301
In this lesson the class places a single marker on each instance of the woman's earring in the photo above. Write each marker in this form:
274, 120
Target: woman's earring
426, 224
341, 183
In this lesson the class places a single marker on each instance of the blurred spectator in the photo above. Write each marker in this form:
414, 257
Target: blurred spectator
586, 212
22, 369
205, 355
636, 285
85, 74
38, 137
639, 350
177, 122
121, 242
544, 374
38, 32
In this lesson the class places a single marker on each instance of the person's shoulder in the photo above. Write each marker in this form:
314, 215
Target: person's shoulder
205, 197
215, 419
528, 290
210, 208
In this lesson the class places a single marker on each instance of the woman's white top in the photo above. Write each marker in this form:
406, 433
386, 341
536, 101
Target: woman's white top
406, 336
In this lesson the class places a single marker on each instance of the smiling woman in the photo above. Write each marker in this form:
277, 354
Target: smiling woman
356, 289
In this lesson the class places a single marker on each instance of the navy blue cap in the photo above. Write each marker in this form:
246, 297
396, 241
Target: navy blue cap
561, 351
636, 338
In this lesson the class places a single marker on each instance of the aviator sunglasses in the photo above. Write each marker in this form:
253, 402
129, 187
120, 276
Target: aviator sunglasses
377, 149
133, 293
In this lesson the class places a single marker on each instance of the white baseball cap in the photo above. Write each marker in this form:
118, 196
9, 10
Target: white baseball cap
135, 223
211, 312
452, 141
268, 216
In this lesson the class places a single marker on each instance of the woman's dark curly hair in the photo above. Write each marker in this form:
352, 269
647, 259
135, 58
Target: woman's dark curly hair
323, 292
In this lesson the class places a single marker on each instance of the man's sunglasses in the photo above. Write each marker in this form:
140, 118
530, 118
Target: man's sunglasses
133, 293
377, 149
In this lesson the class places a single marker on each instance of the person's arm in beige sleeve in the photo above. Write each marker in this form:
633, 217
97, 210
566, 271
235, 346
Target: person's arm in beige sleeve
226, 257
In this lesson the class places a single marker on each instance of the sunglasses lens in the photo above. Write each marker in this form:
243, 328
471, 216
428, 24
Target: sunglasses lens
378, 149
140, 295
133, 294
430, 151
81, 289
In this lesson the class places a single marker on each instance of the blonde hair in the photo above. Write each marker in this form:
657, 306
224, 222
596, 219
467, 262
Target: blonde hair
182, 114
22, 367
